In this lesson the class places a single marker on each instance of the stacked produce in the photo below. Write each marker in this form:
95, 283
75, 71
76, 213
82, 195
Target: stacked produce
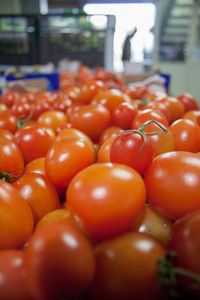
99, 192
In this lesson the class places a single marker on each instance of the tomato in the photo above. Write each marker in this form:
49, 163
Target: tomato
137, 92
16, 218
184, 240
110, 99
9, 98
104, 150
192, 115
66, 158
109, 132
62, 215
11, 158
21, 109
127, 149
59, 262
148, 115
172, 183
34, 142
39, 192
161, 107
91, 119
36, 166
72, 93
5, 134
123, 115
175, 108
3, 107
63, 126
89, 90
38, 108
70, 133
8, 121
161, 142
126, 268
102, 197
186, 135
154, 224
13, 285
188, 101
52, 119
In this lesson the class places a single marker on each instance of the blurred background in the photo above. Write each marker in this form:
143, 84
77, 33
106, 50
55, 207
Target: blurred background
55, 36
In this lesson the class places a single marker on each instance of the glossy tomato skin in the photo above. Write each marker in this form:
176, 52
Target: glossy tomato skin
52, 119
148, 115
107, 198
184, 239
172, 183
188, 101
66, 158
127, 149
11, 158
16, 221
8, 121
91, 119
13, 285
59, 262
123, 115
9, 98
39, 192
34, 142
186, 135
126, 268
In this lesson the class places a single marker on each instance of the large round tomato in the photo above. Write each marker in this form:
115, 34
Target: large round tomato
39, 192
16, 218
34, 142
59, 262
126, 268
188, 101
172, 183
13, 285
66, 158
107, 198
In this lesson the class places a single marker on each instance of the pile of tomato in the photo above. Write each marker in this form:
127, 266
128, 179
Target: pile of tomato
99, 193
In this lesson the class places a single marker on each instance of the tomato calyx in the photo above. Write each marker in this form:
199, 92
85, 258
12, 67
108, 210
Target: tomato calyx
5, 176
22, 119
141, 131
168, 272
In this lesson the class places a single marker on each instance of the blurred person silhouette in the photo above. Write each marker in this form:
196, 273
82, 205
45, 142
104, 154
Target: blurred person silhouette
126, 52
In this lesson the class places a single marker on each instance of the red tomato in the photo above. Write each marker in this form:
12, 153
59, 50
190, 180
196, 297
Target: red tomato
109, 132
172, 183
192, 115
52, 119
9, 98
11, 158
91, 119
161, 142
59, 262
175, 108
127, 149
126, 268
110, 98
39, 192
16, 221
21, 109
8, 121
148, 115
102, 197
189, 102
123, 115
66, 158
13, 284
34, 142
36, 166
186, 135
5, 134
184, 239
137, 92
89, 90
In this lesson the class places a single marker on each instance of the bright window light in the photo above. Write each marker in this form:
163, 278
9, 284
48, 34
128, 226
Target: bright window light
128, 16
